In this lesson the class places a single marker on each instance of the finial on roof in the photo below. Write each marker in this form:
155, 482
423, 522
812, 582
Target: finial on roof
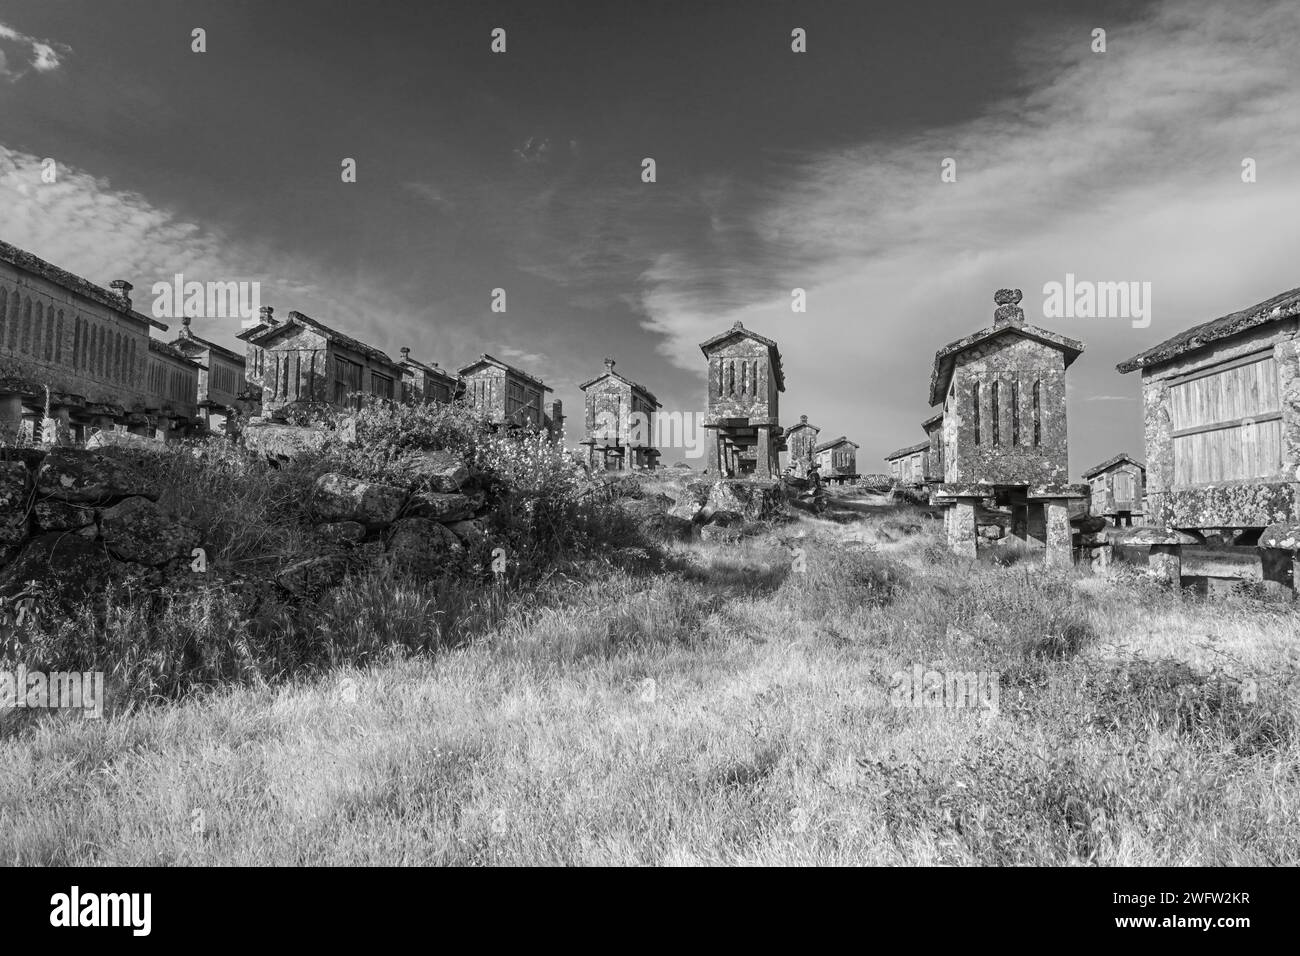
1008, 311
185, 321
122, 288
406, 353
609, 364
267, 314
803, 419
738, 325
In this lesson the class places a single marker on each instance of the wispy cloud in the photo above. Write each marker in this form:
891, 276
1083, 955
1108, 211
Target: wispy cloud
1112, 166
82, 223
43, 56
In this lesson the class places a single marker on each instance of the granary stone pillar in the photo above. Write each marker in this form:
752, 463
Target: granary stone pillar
1165, 551
713, 450
11, 417
763, 453
961, 528
1284, 540
162, 427
1060, 550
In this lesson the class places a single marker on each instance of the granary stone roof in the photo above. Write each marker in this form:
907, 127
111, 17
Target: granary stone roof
486, 359
73, 283
437, 370
1111, 463
934, 419
166, 348
610, 373
186, 335
833, 442
1008, 319
909, 450
1285, 305
264, 331
739, 330
802, 423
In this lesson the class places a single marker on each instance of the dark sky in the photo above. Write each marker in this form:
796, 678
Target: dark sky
775, 170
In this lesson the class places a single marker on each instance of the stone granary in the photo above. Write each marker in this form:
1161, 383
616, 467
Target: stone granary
800, 440
299, 361
1004, 431
907, 466
1116, 487
837, 460
743, 419
1222, 437
93, 352
223, 390
509, 396
619, 422
933, 428
423, 383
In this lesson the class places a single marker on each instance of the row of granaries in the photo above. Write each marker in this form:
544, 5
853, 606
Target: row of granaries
84, 358
1221, 406
1218, 497
109, 371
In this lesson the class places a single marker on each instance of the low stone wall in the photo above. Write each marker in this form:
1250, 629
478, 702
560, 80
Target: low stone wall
71, 520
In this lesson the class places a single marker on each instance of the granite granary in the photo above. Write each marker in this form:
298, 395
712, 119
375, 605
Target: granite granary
743, 419
1002, 390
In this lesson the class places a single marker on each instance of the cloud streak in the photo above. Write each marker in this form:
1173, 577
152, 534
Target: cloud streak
43, 56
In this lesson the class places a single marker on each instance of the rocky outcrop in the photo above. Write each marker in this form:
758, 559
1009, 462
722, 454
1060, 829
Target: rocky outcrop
337, 497
137, 530
73, 519
86, 477
283, 441
752, 500
421, 545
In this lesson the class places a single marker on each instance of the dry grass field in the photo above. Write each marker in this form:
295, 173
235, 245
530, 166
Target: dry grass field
728, 705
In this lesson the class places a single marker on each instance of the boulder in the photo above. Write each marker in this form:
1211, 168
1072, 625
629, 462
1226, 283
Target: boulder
105, 438
68, 566
287, 441
441, 471
337, 497
754, 500
311, 576
63, 515
686, 510
723, 534
667, 527
341, 532
990, 532
87, 477
13, 503
645, 507
137, 530
421, 545
469, 532
1092, 525
725, 519
444, 508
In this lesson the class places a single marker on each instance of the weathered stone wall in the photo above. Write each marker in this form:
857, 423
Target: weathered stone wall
77, 345
741, 384
971, 456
